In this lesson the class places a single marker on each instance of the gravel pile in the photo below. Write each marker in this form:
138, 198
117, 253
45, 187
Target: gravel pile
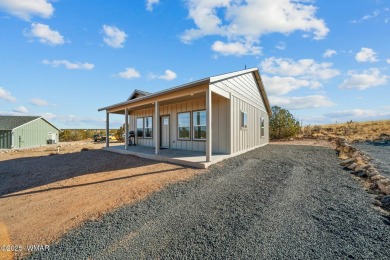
276, 202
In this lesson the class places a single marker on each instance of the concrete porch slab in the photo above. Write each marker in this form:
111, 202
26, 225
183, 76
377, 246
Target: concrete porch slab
182, 157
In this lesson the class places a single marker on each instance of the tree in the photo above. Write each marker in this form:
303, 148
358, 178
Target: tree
282, 124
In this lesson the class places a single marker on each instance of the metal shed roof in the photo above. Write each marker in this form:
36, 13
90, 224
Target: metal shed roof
12, 122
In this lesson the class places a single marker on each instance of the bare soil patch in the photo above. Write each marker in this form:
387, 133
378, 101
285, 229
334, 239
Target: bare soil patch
44, 194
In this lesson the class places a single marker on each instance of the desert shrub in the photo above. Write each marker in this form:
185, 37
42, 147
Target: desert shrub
119, 133
283, 124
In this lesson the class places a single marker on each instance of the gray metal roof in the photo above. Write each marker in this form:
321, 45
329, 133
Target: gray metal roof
11, 122
198, 82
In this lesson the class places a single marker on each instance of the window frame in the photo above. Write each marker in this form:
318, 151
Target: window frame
177, 124
193, 125
136, 123
262, 126
244, 115
145, 118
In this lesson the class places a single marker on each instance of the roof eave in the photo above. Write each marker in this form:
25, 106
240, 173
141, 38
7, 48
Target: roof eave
159, 93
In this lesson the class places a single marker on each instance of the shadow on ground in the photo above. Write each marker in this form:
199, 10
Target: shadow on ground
25, 173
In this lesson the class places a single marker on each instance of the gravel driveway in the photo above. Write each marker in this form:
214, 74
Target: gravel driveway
276, 202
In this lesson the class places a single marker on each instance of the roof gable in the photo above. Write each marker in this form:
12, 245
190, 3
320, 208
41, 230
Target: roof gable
11, 122
138, 93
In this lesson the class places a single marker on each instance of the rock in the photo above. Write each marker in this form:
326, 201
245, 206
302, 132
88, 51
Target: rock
377, 177
384, 186
372, 173
352, 166
356, 154
84, 149
386, 202
361, 174
347, 161
361, 167
377, 203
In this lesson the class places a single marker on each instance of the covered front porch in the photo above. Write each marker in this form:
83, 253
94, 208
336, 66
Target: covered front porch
183, 157
210, 144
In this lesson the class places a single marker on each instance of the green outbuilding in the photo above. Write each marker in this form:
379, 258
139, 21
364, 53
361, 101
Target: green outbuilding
26, 131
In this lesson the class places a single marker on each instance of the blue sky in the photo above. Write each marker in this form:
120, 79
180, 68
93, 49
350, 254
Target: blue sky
324, 60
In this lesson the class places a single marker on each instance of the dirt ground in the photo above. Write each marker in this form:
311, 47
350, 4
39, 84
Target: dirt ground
310, 142
44, 194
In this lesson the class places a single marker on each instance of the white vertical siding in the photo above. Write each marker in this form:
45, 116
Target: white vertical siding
243, 87
220, 124
171, 110
250, 137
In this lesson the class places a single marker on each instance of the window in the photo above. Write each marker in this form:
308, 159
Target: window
148, 127
262, 126
244, 120
199, 118
140, 127
183, 125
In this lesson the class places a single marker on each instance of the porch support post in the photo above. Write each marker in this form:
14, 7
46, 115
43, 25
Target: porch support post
126, 128
209, 134
107, 129
156, 128
231, 124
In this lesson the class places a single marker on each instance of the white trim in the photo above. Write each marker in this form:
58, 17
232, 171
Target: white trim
177, 126
126, 128
156, 126
231, 75
193, 125
107, 129
220, 91
209, 133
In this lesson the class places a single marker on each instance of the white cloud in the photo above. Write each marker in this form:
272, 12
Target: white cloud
282, 85
38, 102
48, 115
329, 53
306, 102
366, 55
304, 68
129, 73
25, 9
281, 46
366, 17
6, 95
359, 114
388, 61
168, 75
69, 65
367, 79
45, 34
150, 4
114, 37
248, 21
235, 48
21, 109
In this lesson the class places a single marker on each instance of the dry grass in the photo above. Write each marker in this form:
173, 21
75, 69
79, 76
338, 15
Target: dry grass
352, 131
